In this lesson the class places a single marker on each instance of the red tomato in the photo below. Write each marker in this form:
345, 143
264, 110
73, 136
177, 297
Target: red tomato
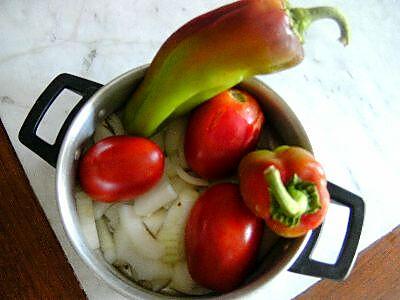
222, 238
221, 131
120, 168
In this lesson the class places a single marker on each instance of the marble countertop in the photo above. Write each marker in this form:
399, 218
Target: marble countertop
348, 99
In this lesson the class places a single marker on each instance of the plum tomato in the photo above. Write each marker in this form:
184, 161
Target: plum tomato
221, 131
222, 238
120, 167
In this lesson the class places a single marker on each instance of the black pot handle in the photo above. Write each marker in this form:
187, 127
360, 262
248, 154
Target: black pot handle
27, 134
338, 271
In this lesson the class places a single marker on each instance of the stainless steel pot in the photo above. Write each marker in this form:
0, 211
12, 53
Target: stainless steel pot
97, 102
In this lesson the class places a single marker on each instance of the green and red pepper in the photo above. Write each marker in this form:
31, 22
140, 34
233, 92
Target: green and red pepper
285, 187
216, 51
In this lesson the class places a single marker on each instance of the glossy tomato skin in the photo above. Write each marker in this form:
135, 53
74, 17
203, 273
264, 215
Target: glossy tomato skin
221, 131
222, 238
120, 167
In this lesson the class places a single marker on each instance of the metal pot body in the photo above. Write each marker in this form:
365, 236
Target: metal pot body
99, 101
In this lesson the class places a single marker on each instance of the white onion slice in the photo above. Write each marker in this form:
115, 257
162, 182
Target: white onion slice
127, 270
155, 198
179, 185
100, 208
189, 178
149, 269
143, 268
183, 282
116, 124
141, 239
107, 245
112, 214
111, 126
123, 246
159, 284
84, 207
172, 232
100, 133
154, 222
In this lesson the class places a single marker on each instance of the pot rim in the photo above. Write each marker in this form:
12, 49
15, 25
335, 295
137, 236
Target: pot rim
67, 209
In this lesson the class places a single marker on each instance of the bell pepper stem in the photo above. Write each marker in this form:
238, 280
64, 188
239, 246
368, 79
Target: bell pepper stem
293, 204
303, 17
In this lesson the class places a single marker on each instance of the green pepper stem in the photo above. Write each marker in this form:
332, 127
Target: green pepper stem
292, 205
303, 17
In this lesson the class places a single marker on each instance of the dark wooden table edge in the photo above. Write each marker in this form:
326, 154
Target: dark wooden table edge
33, 264
376, 274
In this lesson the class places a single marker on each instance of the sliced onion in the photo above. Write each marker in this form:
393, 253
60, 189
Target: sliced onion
112, 125
141, 239
107, 245
189, 178
155, 198
100, 133
183, 282
143, 268
84, 207
112, 214
123, 246
179, 185
158, 284
149, 269
154, 222
127, 270
172, 232
100, 208
116, 124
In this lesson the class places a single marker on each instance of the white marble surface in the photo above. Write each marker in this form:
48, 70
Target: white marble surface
347, 98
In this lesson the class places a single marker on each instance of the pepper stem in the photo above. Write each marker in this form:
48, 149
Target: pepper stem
303, 17
293, 204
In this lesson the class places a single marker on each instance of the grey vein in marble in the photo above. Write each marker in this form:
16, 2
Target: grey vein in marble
88, 61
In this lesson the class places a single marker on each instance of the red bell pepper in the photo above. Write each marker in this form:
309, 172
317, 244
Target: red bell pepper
286, 187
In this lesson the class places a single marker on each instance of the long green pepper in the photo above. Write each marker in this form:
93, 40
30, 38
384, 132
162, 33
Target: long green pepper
216, 51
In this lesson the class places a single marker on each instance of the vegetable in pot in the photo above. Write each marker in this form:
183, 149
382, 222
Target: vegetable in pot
120, 167
172, 233
111, 126
84, 208
158, 196
106, 240
183, 282
221, 131
216, 51
222, 238
286, 187
143, 242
